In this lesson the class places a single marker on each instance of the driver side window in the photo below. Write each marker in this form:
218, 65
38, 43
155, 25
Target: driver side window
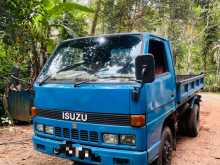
157, 49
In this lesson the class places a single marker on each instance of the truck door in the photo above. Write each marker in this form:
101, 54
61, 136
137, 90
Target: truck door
160, 94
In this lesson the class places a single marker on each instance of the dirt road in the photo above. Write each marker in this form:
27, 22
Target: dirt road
204, 149
16, 146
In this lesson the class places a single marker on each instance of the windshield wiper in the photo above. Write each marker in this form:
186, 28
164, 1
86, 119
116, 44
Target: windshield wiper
81, 82
68, 67
45, 79
130, 78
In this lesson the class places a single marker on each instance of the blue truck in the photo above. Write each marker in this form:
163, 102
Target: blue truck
114, 99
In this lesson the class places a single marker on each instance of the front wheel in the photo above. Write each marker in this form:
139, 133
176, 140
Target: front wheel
166, 147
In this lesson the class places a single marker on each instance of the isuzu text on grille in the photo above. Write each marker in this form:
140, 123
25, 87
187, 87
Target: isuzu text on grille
74, 116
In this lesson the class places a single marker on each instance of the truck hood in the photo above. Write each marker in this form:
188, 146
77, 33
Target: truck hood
102, 98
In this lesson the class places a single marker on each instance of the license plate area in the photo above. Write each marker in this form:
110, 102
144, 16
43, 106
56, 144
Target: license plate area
77, 151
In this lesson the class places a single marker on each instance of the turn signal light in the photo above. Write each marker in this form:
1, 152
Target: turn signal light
33, 111
137, 120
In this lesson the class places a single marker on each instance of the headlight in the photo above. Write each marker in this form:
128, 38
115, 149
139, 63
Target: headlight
110, 138
40, 127
49, 130
128, 139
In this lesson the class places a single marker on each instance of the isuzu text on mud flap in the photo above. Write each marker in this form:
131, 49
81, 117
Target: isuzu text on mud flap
114, 99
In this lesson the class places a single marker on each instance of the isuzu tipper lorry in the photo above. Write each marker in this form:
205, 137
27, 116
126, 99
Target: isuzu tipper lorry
114, 99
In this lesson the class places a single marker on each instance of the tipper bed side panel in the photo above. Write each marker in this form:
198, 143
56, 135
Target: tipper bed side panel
187, 86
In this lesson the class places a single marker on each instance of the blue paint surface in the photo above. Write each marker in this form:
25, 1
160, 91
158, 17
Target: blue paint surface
157, 101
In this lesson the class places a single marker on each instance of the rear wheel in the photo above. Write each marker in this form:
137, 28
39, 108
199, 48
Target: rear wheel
182, 125
193, 122
166, 147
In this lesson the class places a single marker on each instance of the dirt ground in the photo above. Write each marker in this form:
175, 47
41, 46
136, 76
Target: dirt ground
16, 146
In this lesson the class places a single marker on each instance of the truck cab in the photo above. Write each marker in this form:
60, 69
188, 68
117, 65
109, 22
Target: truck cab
111, 99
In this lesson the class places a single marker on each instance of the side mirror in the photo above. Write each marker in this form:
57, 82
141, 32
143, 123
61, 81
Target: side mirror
145, 68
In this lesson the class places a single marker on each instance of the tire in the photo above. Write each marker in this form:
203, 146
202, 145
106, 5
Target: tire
166, 147
193, 122
182, 125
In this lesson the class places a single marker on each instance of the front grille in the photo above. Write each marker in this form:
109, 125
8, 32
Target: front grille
84, 135
96, 118
66, 133
75, 134
93, 136
58, 131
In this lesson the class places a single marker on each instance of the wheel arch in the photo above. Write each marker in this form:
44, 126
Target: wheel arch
171, 122
195, 100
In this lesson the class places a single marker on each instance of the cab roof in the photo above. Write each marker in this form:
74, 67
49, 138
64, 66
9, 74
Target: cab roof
118, 34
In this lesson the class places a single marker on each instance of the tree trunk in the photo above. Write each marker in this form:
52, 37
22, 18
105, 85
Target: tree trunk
109, 9
36, 62
94, 22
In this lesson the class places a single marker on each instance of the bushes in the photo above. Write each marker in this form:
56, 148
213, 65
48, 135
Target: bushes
212, 83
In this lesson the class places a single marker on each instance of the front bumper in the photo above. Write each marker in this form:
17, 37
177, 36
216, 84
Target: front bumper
103, 156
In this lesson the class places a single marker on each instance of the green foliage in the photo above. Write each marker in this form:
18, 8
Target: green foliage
61, 8
30, 29
212, 83
27, 26
192, 26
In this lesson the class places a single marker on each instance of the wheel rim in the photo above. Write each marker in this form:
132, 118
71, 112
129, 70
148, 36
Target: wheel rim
167, 152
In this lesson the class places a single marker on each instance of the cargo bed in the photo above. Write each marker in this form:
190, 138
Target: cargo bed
187, 86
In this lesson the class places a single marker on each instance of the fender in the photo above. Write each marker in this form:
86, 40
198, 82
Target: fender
195, 100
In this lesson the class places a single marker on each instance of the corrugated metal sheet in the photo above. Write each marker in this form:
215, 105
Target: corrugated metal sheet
19, 105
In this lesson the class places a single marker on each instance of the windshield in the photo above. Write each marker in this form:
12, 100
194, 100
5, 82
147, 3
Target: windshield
94, 59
